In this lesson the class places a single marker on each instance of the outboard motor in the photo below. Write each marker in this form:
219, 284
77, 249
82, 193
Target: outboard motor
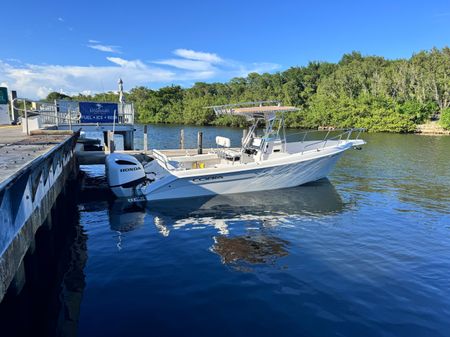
124, 173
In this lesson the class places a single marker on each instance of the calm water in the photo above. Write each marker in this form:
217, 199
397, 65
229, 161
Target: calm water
365, 253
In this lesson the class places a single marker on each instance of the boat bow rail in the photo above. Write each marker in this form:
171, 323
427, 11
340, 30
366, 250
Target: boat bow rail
342, 136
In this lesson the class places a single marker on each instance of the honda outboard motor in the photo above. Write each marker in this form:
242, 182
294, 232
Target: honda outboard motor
124, 174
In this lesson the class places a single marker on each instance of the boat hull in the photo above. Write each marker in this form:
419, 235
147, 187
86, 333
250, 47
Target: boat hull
257, 179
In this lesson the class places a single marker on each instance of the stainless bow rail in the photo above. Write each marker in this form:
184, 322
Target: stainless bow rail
345, 135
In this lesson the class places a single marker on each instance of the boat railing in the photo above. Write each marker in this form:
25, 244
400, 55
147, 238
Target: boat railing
161, 157
344, 135
164, 160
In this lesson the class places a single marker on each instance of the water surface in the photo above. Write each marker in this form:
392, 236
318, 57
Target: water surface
364, 253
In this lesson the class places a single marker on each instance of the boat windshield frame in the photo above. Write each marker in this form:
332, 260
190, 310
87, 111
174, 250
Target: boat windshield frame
268, 111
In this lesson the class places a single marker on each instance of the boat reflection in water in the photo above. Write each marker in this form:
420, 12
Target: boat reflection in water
125, 217
243, 222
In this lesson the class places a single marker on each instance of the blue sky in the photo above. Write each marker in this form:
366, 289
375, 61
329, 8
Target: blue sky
84, 46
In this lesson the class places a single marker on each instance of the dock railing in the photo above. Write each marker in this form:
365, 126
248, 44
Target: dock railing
63, 113
46, 113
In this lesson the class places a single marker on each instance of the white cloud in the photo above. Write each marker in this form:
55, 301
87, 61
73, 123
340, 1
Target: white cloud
197, 55
135, 64
186, 64
104, 48
12, 59
94, 41
210, 65
36, 81
60, 19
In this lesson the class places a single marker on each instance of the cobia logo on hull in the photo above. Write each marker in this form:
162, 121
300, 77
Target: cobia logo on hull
203, 179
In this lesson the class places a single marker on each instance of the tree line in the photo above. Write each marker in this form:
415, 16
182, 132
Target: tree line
358, 91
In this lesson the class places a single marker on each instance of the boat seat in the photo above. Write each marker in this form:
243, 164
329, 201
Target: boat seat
225, 151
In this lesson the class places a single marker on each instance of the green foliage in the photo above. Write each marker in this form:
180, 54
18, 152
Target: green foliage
361, 91
109, 96
229, 120
416, 111
51, 97
377, 114
445, 119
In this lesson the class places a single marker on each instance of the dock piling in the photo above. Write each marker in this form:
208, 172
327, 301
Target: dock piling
145, 138
110, 141
128, 140
200, 142
182, 139
244, 134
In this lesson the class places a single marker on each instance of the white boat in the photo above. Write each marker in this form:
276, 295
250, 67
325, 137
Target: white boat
265, 162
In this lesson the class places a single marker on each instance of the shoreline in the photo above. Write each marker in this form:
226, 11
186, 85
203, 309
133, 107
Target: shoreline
442, 132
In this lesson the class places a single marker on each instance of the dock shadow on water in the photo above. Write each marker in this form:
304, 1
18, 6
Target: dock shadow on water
48, 301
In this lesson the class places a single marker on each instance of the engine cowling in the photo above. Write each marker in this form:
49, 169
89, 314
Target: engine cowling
124, 174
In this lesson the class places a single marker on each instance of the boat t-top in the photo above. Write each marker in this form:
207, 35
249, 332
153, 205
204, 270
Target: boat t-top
262, 162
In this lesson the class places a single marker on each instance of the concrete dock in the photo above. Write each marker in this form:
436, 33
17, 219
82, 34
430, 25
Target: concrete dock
33, 172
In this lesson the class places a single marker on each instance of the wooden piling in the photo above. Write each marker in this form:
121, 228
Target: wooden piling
110, 141
182, 139
244, 135
145, 139
200, 142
